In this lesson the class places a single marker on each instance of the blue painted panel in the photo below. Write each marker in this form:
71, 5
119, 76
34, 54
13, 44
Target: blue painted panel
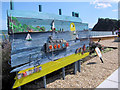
26, 51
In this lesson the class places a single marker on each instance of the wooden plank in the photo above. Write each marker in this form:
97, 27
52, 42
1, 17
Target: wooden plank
48, 68
96, 38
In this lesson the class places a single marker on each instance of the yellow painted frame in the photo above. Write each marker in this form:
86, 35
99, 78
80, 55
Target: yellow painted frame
48, 68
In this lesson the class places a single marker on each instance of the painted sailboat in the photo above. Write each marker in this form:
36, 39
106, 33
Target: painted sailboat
28, 38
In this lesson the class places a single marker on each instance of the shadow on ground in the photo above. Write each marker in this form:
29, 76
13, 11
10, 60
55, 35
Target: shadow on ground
91, 63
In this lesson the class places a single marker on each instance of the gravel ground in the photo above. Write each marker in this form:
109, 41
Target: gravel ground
93, 72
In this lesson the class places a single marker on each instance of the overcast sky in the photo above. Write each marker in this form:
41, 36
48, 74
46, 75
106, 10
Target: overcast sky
89, 10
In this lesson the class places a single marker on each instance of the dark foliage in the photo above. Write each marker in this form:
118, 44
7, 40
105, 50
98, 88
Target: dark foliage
93, 45
7, 77
106, 25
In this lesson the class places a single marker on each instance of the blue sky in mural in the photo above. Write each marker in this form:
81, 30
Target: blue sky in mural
89, 12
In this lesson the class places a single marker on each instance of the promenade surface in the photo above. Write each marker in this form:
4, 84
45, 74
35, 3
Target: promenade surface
112, 81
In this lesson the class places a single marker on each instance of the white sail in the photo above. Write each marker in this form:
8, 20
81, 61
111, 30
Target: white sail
53, 25
28, 37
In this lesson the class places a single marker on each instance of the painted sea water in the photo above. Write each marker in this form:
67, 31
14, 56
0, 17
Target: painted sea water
4, 33
23, 50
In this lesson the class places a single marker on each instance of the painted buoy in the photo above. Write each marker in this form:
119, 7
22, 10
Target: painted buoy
58, 45
63, 45
40, 68
79, 50
55, 46
67, 44
19, 76
27, 72
76, 51
24, 74
50, 46
84, 48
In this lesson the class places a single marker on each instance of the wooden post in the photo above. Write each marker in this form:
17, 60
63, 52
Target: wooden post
75, 68
44, 81
11, 5
63, 73
79, 66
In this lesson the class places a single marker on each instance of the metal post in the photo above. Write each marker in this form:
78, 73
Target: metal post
73, 14
11, 5
44, 81
79, 66
40, 8
19, 88
60, 12
63, 73
75, 68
